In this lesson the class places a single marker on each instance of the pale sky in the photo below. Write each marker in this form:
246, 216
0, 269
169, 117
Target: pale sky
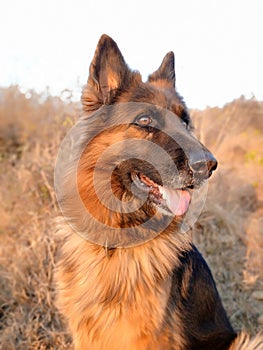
218, 44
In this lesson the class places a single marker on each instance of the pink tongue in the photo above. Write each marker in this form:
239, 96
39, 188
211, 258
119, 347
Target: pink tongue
177, 201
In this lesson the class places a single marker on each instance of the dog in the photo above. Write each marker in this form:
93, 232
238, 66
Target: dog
127, 276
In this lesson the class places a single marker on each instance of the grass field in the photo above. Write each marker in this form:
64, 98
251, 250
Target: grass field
229, 231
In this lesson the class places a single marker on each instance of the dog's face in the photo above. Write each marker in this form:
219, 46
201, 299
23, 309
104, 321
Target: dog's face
135, 159
157, 114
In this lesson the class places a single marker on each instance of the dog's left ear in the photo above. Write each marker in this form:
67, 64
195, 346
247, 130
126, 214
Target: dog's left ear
165, 72
109, 75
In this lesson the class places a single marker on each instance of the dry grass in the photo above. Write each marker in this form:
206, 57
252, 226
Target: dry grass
229, 231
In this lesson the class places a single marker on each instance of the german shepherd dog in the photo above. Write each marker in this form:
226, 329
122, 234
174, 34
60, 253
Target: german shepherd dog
128, 277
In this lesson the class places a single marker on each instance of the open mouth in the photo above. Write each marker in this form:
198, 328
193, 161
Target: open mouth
175, 201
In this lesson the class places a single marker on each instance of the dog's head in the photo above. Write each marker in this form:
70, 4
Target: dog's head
137, 157
156, 113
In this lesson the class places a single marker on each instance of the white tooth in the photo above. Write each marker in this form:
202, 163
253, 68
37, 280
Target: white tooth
163, 192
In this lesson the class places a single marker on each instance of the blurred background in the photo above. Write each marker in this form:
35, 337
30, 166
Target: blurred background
46, 48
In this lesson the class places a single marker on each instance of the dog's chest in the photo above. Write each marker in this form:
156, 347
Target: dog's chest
134, 324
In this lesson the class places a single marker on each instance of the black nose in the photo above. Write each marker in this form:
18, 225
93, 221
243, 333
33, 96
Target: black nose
203, 168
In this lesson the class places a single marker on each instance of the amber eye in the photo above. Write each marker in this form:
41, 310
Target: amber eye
185, 124
144, 120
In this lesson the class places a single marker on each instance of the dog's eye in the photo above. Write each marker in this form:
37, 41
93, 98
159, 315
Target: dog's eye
185, 124
144, 120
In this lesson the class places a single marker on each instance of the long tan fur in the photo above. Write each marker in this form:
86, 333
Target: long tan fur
147, 283
244, 342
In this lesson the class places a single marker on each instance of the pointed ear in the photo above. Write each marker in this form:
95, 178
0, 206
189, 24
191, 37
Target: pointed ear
165, 72
108, 75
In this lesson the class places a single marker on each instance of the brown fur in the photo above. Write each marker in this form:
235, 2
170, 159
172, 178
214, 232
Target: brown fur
155, 295
103, 311
243, 342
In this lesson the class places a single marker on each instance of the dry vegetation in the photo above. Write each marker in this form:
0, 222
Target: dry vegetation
229, 232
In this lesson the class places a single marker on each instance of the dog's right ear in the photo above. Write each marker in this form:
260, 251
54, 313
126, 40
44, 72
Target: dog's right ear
165, 72
108, 75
